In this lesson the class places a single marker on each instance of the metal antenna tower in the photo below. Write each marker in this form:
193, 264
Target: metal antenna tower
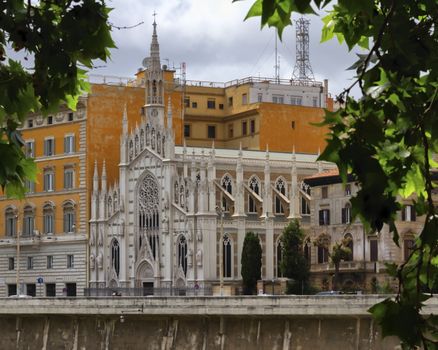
303, 69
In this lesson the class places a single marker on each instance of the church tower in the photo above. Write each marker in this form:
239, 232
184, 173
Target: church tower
154, 92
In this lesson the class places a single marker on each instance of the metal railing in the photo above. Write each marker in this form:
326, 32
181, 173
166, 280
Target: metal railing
147, 292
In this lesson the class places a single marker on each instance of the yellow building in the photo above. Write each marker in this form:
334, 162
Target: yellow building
53, 218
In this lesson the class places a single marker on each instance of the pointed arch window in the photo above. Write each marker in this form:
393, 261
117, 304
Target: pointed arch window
48, 219
348, 239
136, 145
279, 258
182, 254
153, 139
148, 135
115, 256
29, 221
308, 252
176, 192
11, 222
254, 185
148, 214
227, 185
227, 256
131, 150
280, 185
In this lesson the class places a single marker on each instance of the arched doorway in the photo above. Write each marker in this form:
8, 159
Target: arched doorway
144, 278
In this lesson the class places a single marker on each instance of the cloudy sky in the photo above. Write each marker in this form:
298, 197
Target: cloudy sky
215, 42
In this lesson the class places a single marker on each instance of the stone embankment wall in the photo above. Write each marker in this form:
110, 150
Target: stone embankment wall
283, 323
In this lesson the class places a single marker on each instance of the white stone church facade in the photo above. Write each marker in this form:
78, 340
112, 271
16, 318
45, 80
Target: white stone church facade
159, 226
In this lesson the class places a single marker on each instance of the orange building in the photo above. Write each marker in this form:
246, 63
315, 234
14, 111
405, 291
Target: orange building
52, 220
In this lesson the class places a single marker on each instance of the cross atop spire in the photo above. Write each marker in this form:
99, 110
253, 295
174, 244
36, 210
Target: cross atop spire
154, 14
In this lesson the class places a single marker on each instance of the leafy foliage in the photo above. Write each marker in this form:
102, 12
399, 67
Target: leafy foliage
387, 138
59, 38
293, 263
251, 262
340, 251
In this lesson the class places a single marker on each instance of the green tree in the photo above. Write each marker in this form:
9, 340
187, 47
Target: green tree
293, 263
386, 139
251, 262
58, 39
340, 251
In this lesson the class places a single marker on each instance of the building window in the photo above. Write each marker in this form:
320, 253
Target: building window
28, 221
292, 124
30, 149
69, 217
252, 127
227, 185
30, 186
211, 131
244, 99
374, 251
187, 101
71, 289
296, 100
70, 261
315, 101
221, 106
324, 217
70, 117
308, 252
324, 192
12, 289
182, 254
230, 131
194, 104
211, 103
279, 258
10, 222
348, 190
49, 180
323, 255
278, 99
408, 213
409, 246
230, 101
30, 123
254, 185
227, 257
49, 262
68, 178
280, 186
48, 219
50, 289
11, 264
30, 262
244, 127
31, 289
115, 256
348, 239
49, 120
305, 208
69, 144
346, 214
187, 130
259, 97
49, 147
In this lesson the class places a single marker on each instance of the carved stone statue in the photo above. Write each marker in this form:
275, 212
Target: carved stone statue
199, 257
199, 236
93, 236
100, 240
92, 261
189, 258
100, 261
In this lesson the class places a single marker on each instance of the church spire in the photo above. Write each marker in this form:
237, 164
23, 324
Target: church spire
154, 62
